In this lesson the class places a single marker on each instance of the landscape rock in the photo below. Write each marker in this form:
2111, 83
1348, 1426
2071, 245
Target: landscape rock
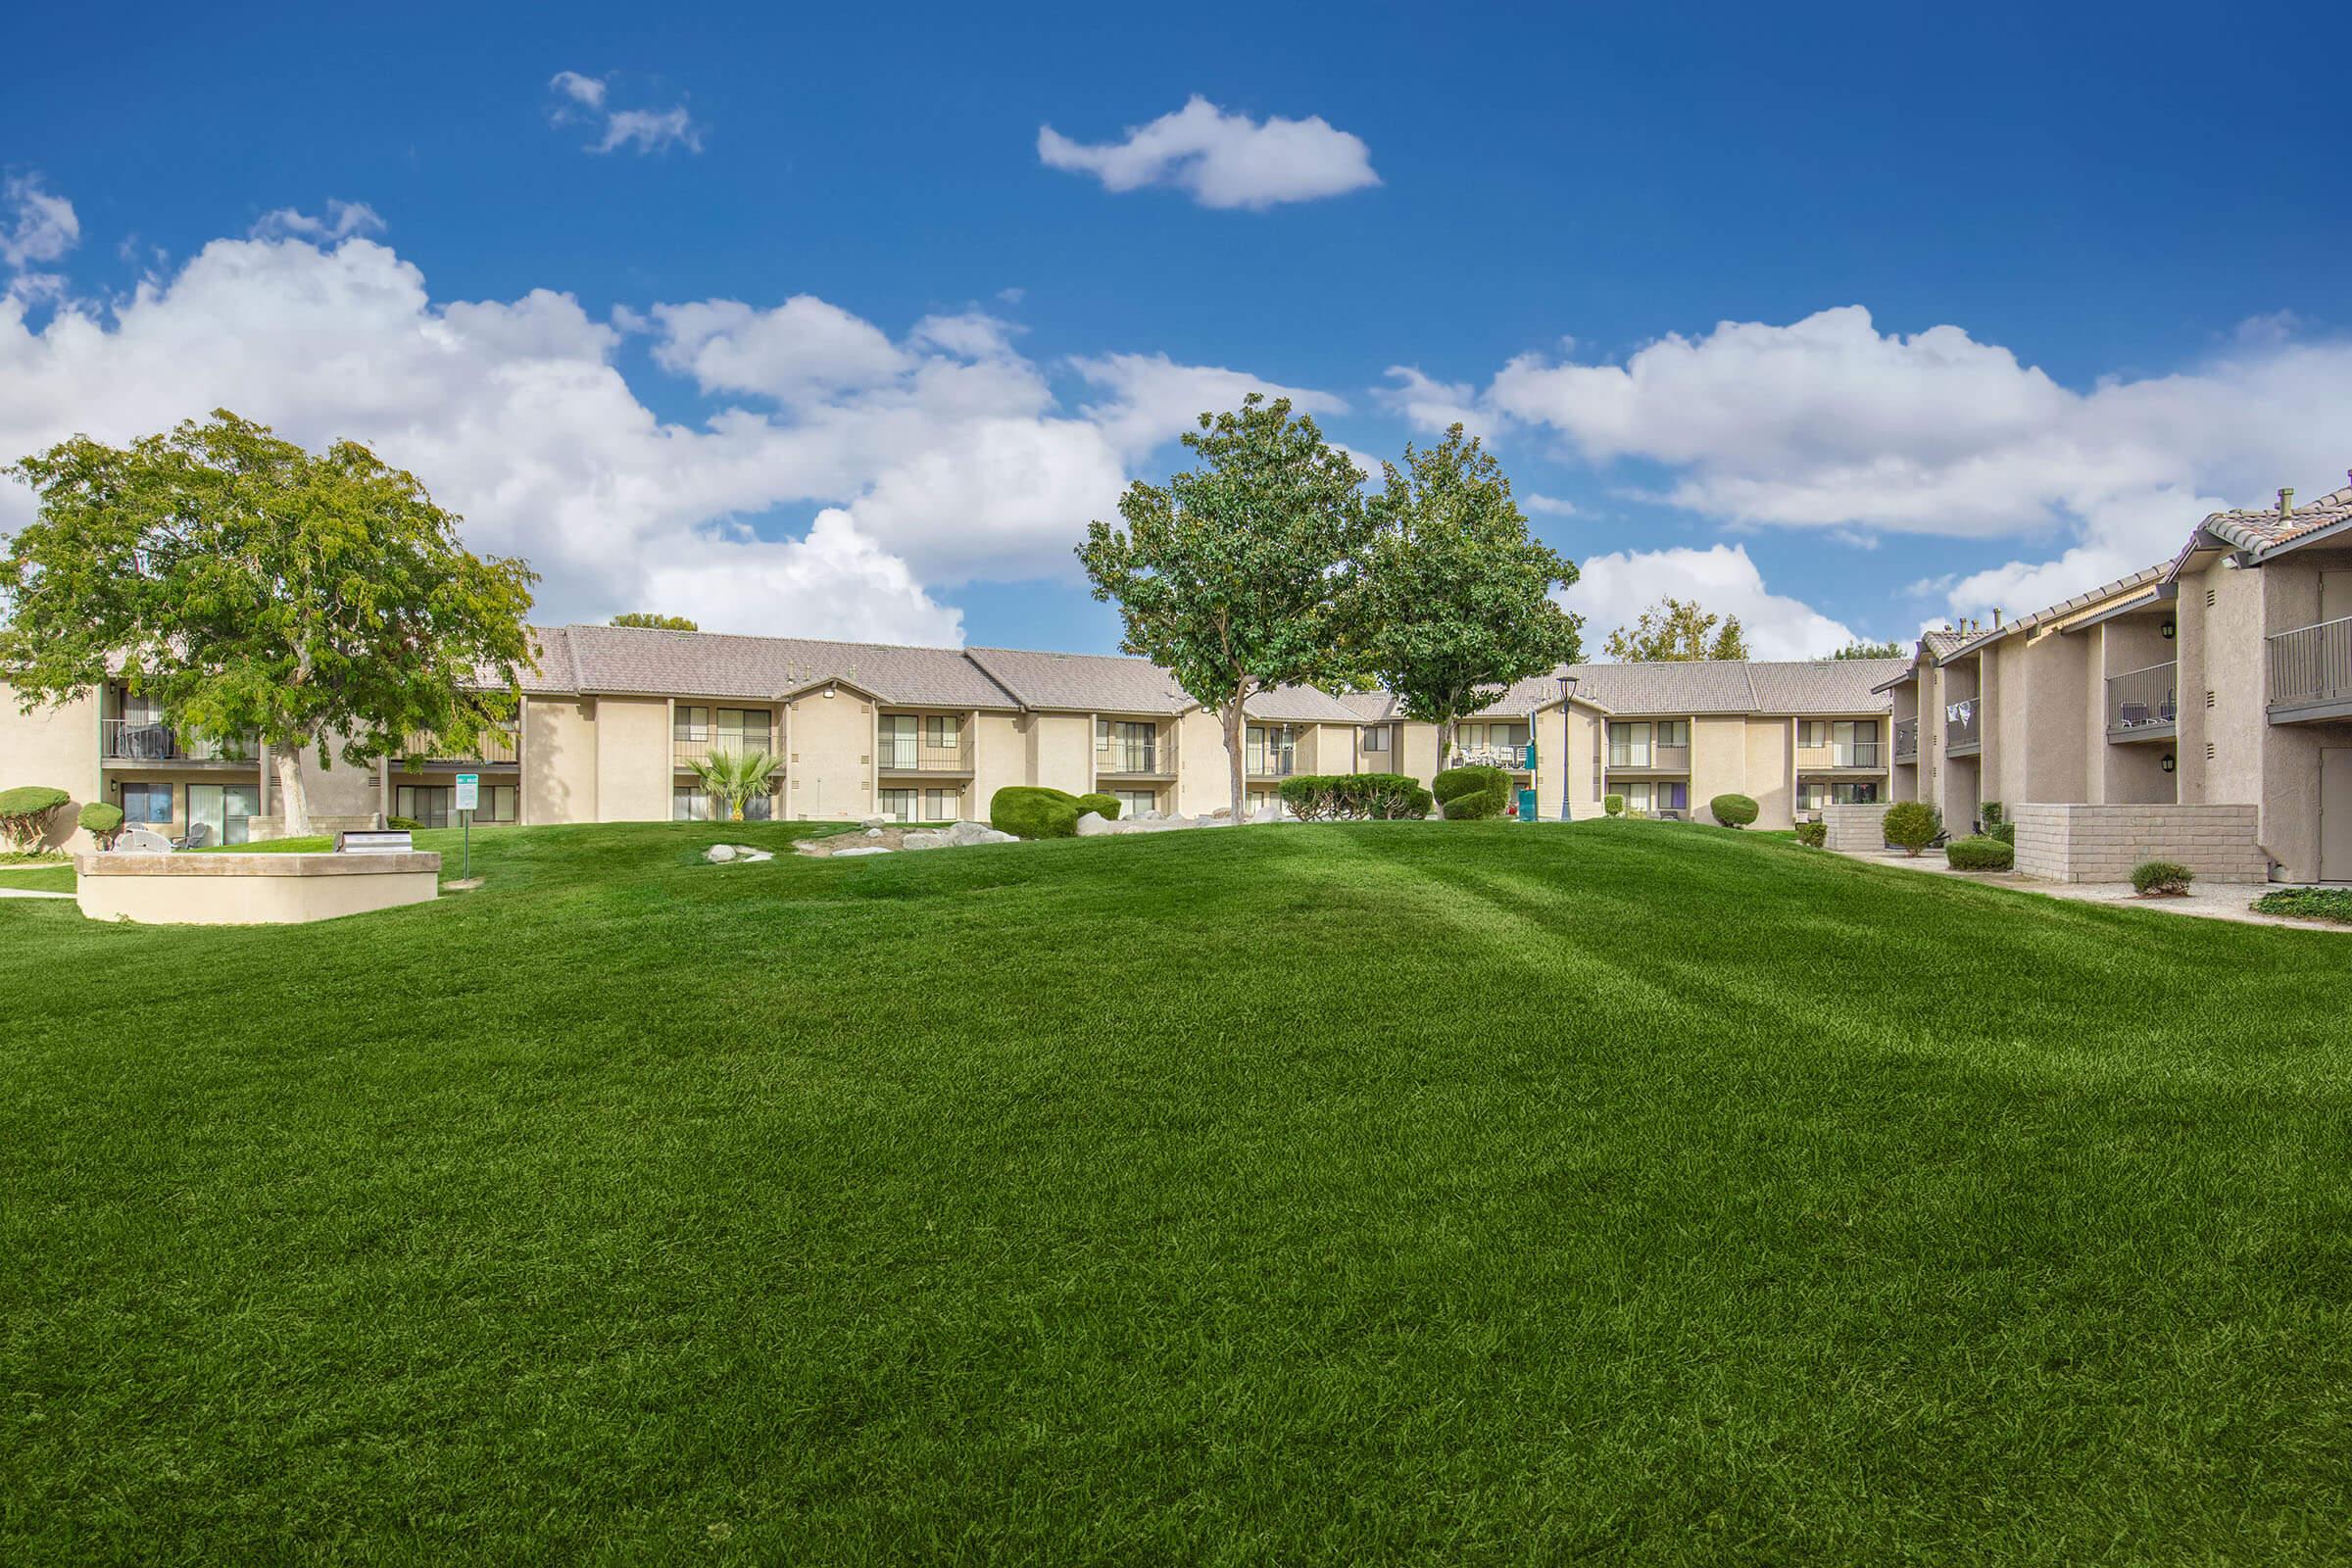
719, 853
872, 824
962, 835
925, 841
862, 848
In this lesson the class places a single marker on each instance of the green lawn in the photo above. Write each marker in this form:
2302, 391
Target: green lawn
1451, 1193
42, 879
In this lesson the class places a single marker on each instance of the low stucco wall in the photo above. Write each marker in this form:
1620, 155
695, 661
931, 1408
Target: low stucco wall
2103, 843
1855, 829
249, 889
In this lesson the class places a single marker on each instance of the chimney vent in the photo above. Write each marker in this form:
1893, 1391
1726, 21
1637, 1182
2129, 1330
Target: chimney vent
2286, 502
1996, 618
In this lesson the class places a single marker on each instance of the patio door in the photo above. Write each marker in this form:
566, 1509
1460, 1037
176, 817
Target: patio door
2335, 813
226, 811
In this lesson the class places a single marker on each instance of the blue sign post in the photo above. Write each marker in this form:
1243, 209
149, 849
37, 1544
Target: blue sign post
469, 796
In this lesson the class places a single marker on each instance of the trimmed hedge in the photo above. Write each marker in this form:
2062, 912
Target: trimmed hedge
1990, 813
1034, 811
1477, 805
1813, 834
400, 823
25, 812
1614, 804
1911, 825
103, 822
1979, 853
2161, 876
1106, 806
1733, 810
1454, 782
2006, 832
1342, 797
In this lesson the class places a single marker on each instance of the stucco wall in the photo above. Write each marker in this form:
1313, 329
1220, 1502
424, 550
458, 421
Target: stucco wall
57, 747
1061, 751
999, 760
559, 761
338, 796
829, 770
1202, 783
1718, 760
2080, 843
1770, 757
634, 759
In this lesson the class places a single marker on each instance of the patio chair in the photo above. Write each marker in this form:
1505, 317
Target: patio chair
2135, 714
194, 837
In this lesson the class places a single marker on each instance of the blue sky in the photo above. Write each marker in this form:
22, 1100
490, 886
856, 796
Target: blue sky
1846, 322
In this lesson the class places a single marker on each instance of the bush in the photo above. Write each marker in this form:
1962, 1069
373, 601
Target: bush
1354, 797
1911, 825
398, 823
2161, 876
1477, 805
1813, 834
1106, 806
1991, 811
1614, 804
1979, 853
2308, 903
1311, 797
1033, 811
1733, 810
101, 822
2006, 832
25, 812
1473, 780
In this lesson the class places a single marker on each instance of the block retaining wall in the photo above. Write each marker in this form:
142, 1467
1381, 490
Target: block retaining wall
1855, 829
2103, 843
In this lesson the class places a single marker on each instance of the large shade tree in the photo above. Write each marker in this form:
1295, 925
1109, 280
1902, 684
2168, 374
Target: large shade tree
1234, 574
319, 601
1455, 599
1675, 629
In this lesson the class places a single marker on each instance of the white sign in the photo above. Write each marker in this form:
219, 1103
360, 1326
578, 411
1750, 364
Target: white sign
470, 789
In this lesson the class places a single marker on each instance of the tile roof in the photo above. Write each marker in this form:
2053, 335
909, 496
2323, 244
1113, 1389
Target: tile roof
1082, 682
1369, 708
700, 663
2262, 531
1823, 685
1962, 644
1299, 705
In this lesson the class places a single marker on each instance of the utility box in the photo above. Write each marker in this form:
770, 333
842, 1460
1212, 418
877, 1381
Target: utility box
1527, 805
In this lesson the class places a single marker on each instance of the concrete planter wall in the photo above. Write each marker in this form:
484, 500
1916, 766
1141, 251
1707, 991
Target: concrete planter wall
249, 889
1855, 829
2103, 843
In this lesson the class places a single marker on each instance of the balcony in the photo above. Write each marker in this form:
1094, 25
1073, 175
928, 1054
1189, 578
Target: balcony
2142, 704
1270, 764
2311, 673
699, 745
1152, 756
1510, 759
1860, 754
145, 740
1649, 758
1906, 740
495, 748
1961, 736
915, 754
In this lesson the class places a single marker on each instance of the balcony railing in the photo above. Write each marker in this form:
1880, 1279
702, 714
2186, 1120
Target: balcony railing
1855, 754
1510, 759
1960, 725
1906, 740
914, 754
2311, 664
2143, 702
1657, 758
1130, 758
493, 748
688, 750
143, 740
1270, 764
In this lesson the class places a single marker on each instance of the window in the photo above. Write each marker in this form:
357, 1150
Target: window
899, 748
226, 811
743, 731
1491, 737
497, 803
1272, 750
1675, 732
1127, 746
943, 732
942, 806
1376, 737
691, 804
1812, 733
1135, 802
899, 805
1859, 792
147, 804
426, 804
1629, 747
690, 723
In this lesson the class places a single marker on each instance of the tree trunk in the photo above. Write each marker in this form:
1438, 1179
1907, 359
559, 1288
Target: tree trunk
294, 803
1233, 717
1444, 742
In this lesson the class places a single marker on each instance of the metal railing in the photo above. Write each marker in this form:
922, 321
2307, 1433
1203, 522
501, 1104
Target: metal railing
145, 740
1510, 759
1270, 764
496, 746
1853, 753
1960, 721
2311, 664
912, 754
2142, 700
1137, 757
688, 750
1906, 740
1660, 759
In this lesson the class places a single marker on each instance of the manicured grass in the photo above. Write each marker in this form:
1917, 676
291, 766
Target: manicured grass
43, 878
1449, 1192
2308, 903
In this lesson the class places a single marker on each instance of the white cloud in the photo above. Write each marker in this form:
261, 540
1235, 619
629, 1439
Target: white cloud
1546, 506
342, 220
1152, 398
939, 458
1222, 160
1436, 405
1828, 423
1613, 590
582, 101
40, 227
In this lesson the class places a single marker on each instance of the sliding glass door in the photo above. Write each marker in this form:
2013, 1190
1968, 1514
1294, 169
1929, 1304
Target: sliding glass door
224, 811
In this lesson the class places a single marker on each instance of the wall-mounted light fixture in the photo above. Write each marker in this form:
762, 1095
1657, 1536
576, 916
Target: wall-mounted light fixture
2169, 630
2168, 765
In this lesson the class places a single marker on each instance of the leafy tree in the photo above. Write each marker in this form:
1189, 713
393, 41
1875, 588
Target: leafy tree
1455, 599
1869, 650
320, 601
735, 777
1234, 576
1677, 629
102, 820
25, 811
647, 620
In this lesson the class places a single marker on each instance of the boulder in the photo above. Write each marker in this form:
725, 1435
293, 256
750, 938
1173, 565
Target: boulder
871, 824
719, 853
1093, 824
862, 848
925, 841
962, 835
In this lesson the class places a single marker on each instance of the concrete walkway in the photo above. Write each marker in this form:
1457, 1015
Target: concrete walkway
2214, 901
31, 893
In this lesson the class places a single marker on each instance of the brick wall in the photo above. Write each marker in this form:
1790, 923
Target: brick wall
2103, 843
1855, 828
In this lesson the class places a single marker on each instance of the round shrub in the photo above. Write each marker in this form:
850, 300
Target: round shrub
1813, 834
1473, 780
1477, 805
1033, 811
1979, 853
25, 812
2161, 876
1614, 804
1385, 796
1990, 814
1312, 797
1911, 825
1106, 806
1733, 810
397, 823
101, 822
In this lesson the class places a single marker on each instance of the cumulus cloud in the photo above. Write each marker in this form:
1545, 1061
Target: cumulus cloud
1546, 506
583, 100
342, 220
1151, 397
37, 226
1436, 405
1828, 423
1221, 160
938, 458
1612, 591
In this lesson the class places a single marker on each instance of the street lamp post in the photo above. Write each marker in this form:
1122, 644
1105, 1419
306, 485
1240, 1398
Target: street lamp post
1567, 747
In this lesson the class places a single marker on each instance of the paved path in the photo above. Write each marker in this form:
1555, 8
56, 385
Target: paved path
2213, 901
31, 893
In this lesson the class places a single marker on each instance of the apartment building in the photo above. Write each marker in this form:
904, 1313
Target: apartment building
2219, 679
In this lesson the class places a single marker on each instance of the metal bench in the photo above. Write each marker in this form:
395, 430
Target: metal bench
375, 841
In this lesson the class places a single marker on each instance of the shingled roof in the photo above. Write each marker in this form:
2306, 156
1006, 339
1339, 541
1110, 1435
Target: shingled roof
2262, 530
638, 660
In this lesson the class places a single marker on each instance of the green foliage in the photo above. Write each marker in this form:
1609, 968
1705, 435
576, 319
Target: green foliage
1911, 825
102, 820
248, 585
1106, 806
647, 620
1867, 650
1339, 797
1990, 813
1235, 575
408, 823
2308, 903
1477, 805
1677, 629
2006, 832
1733, 810
1813, 834
1034, 811
2161, 876
1979, 853
1613, 805
25, 812
734, 778
1454, 600
1477, 779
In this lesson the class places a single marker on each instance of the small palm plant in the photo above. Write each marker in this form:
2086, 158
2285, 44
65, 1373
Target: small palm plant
735, 777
